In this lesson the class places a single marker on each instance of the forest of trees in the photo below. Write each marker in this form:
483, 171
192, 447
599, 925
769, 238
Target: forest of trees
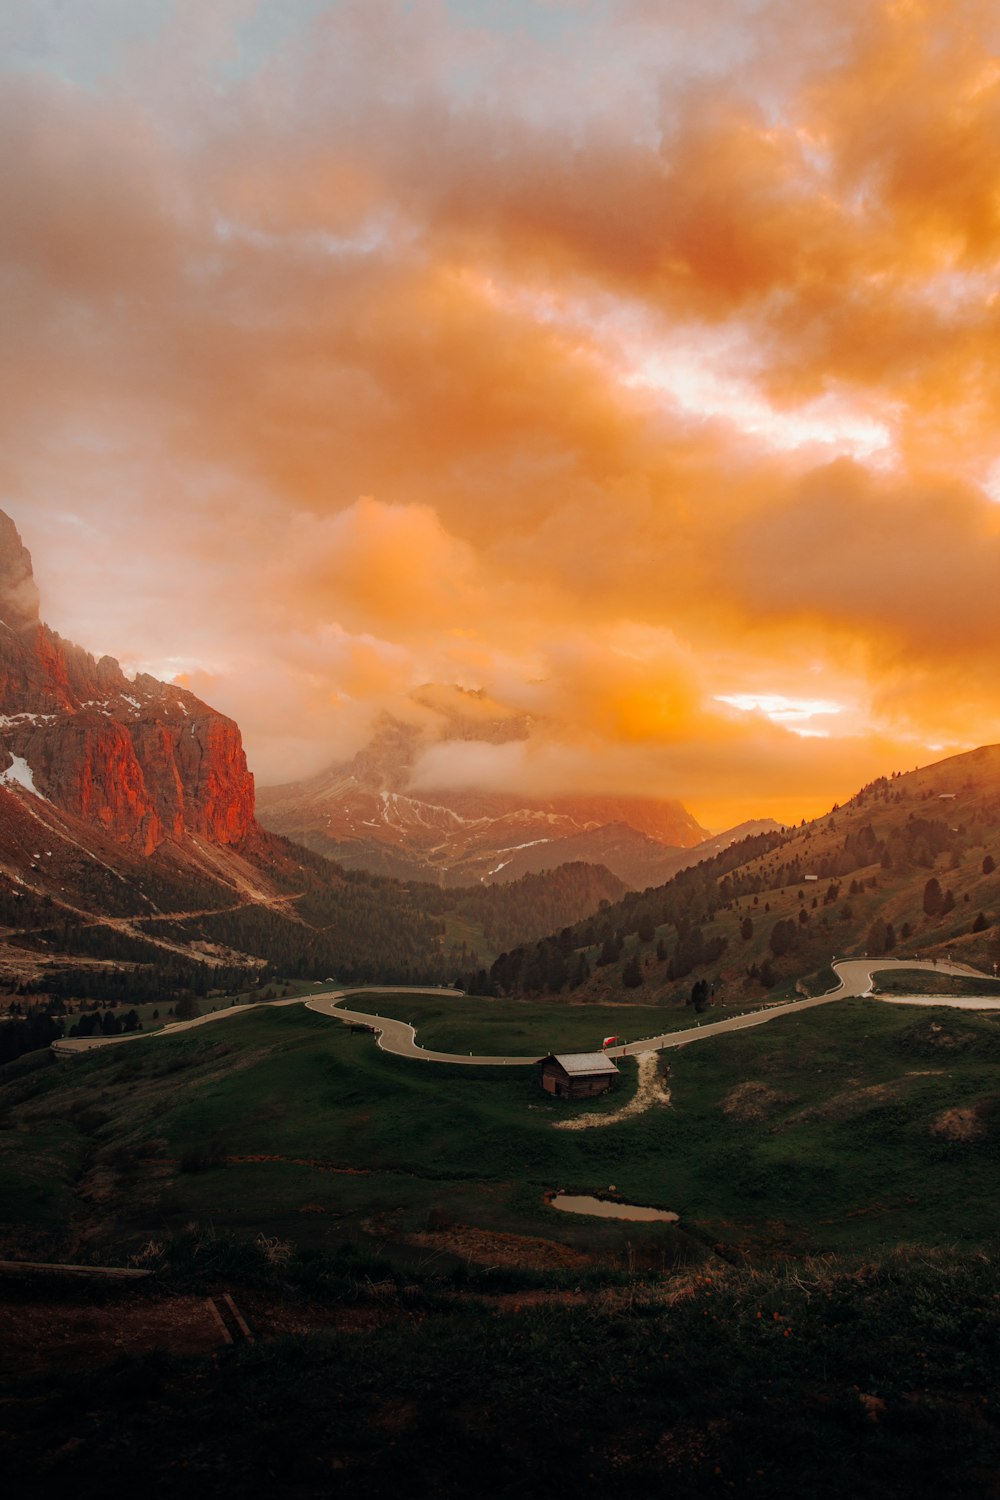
521, 911
28, 1033
688, 903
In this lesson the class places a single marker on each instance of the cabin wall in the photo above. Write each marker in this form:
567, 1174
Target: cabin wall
555, 1081
586, 1088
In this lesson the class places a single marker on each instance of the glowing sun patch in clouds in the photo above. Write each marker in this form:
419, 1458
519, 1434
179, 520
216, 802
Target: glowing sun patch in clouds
694, 374
795, 714
991, 484
696, 383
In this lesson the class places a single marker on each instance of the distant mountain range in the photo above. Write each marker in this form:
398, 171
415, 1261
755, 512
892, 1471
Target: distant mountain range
131, 861
367, 814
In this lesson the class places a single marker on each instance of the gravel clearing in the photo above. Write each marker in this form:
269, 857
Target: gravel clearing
652, 1090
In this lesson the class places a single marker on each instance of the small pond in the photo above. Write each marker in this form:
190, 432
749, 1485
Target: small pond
603, 1208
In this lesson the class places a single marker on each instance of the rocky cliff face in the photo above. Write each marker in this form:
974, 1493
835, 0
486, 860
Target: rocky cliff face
145, 761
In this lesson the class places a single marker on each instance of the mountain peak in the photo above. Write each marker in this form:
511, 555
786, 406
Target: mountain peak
143, 761
471, 714
18, 590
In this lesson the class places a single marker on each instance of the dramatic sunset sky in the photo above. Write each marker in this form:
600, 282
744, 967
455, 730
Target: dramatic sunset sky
637, 361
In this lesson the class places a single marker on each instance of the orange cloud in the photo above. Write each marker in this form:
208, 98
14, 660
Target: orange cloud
392, 564
614, 369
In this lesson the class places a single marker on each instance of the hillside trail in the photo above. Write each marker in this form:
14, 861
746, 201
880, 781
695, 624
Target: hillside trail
652, 1090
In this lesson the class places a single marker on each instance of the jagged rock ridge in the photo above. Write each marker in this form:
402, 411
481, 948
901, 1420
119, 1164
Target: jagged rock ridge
145, 761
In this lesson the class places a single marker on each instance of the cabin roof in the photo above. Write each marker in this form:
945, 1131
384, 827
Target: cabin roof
577, 1063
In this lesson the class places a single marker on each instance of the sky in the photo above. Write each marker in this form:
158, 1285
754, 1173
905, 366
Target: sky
634, 362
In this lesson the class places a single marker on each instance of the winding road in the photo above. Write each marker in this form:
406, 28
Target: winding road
399, 1037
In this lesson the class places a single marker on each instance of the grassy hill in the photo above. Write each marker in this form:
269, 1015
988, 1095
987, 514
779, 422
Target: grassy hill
768, 914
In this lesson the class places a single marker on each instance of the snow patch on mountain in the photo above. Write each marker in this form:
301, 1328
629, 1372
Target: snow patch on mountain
19, 774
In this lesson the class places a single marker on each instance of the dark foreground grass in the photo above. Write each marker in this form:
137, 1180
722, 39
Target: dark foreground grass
876, 1379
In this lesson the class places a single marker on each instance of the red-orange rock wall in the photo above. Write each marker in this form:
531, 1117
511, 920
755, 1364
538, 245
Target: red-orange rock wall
144, 760
197, 776
219, 790
86, 763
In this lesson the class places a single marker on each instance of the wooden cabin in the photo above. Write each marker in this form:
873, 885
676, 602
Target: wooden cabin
578, 1075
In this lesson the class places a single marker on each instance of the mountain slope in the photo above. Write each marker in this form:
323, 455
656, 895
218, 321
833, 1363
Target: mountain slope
637, 859
908, 865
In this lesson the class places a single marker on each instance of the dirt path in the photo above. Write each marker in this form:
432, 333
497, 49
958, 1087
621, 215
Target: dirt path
652, 1090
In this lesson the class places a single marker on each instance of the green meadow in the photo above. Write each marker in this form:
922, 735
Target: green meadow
500, 1028
851, 1126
